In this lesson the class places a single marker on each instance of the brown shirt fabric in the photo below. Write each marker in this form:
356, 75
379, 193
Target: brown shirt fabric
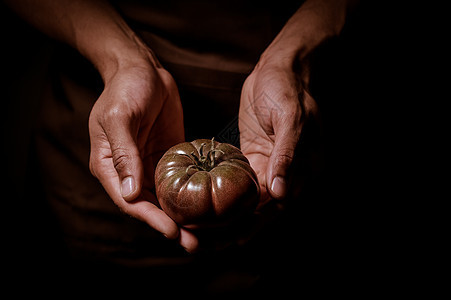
209, 47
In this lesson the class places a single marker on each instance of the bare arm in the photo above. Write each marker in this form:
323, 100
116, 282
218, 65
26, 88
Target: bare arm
94, 28
313, 23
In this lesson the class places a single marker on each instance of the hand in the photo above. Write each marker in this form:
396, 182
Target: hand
274, 107
136, 119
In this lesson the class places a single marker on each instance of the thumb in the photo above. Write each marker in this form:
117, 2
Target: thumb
280, 160
286, 139
126, 160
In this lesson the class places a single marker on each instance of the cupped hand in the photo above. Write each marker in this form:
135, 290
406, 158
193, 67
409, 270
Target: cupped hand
135, 120
275, 104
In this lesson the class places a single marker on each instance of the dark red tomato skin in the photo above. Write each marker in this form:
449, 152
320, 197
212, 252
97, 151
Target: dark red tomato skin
197, 197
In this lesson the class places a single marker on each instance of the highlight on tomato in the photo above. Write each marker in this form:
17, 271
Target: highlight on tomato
205, 183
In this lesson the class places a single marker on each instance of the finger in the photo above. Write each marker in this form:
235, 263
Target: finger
287, 131
142, 208
100, 162
152, 215
280, 160
188, 241
160, 221
126, 158
259, 163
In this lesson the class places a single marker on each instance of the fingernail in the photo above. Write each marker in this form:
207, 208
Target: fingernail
128, 186
278, 186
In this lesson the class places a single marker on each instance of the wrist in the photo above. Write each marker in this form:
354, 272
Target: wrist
100, 34
314, 23
119, 55
287, 50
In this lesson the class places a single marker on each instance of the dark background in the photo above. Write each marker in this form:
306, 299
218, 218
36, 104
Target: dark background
352, 228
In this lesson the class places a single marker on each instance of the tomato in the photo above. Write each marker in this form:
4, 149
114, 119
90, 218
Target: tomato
204, 183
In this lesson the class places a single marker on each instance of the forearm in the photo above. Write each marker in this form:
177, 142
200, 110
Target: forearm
94, 28
312, 24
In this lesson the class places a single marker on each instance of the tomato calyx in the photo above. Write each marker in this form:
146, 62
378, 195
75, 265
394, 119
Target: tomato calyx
204, 162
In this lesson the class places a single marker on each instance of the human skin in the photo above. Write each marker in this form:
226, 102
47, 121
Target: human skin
140, 98
275, 100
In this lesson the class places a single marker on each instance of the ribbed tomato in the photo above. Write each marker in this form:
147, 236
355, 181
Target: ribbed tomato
204, 182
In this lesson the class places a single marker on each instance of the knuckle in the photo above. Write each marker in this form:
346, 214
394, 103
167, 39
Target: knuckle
171, 233
292, 112
289, 115
114, 113
309, 104
292, 119
121, 159
283, 160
